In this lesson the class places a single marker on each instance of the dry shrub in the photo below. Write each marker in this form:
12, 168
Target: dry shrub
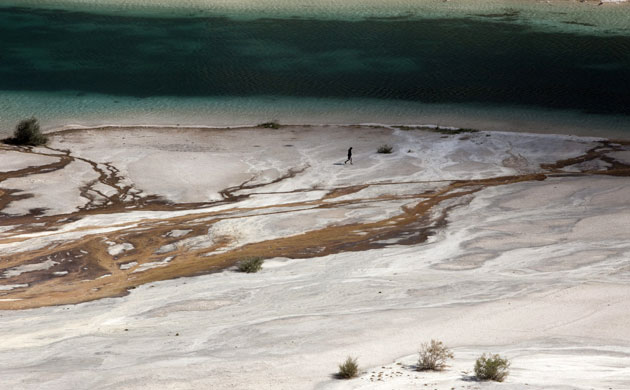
433, 356
250, 265
385, 149
27, 132
492, 367
270, 125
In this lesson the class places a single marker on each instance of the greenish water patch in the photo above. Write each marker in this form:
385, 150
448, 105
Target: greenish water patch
419, 62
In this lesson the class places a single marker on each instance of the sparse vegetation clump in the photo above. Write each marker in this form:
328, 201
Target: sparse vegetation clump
270, 125
251, 265
27, 132
433, 356
385, 149
348, 369
492, 367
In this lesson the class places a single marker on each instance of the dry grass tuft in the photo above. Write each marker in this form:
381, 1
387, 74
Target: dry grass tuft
348, 369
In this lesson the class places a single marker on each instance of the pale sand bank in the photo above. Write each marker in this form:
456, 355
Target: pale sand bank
530, 268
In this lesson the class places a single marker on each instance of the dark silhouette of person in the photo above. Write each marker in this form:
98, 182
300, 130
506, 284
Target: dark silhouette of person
349, 157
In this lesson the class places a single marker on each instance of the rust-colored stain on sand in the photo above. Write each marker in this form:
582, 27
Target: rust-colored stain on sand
108, 264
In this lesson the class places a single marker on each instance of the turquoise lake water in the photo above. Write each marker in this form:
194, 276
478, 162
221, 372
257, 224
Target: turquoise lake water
77, 67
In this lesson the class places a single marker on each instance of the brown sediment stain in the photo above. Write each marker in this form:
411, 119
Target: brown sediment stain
337, 192
600, 152
88, 263
82, 269
10, 195
64, 160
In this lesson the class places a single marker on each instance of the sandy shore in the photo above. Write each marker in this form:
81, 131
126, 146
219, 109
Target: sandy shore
119, 243
70, 111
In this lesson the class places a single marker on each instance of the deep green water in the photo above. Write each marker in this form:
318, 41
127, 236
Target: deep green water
433, 61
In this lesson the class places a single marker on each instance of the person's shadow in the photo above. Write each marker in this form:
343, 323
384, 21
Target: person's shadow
338, 164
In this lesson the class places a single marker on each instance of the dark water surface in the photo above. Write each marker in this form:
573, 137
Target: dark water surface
429, 61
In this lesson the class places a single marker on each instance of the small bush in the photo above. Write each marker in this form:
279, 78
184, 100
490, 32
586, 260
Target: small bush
270, 125
348, 369
492, 367
251, 265
433, 356
385, 149
27, 132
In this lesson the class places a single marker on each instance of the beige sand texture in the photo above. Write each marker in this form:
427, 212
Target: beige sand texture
492, 242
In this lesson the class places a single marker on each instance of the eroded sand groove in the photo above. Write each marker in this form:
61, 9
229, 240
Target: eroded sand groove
120, 236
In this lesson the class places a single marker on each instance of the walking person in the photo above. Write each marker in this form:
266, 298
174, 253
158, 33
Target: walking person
349, 157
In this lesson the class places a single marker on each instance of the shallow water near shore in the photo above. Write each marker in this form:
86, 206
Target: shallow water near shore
555, 15
82, 68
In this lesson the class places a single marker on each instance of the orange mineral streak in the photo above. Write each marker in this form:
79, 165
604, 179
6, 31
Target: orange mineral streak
82, 269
